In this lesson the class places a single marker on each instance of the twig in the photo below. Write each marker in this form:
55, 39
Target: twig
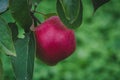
35, 19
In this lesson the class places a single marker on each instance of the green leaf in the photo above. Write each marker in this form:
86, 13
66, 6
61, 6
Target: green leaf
36, 1
98, 3
6, 43
14, 30
21, 13
8, 16
70, 12
3, 5
71, 8
1, 70
23, 64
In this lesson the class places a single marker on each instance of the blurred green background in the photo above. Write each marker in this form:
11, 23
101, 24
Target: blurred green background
97, 56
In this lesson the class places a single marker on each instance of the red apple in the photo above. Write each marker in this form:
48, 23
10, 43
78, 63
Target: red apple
54, 41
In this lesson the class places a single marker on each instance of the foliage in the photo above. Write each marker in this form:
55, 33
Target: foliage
1, 70
70, 12
97, 56
6, 43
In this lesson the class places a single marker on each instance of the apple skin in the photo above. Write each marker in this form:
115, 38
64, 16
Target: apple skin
54, 41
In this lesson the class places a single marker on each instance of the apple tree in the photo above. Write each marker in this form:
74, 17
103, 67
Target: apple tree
48, 39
